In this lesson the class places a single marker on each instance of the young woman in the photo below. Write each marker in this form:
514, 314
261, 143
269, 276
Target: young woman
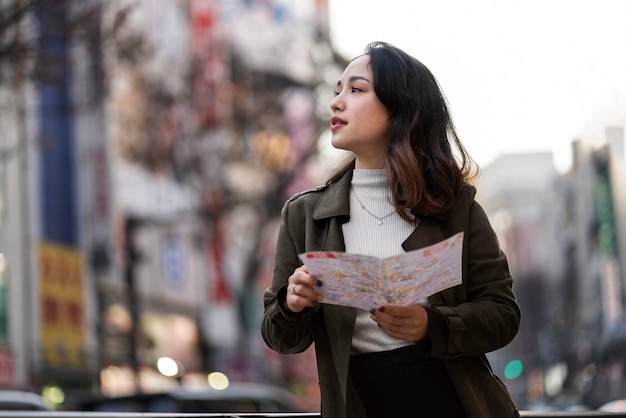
404, 189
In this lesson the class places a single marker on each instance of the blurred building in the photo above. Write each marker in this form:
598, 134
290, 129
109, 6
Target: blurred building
517, 192
593, 236
139, 207
564, 237
48, 304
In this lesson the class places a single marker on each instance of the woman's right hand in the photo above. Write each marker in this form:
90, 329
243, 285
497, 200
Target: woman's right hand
301, 292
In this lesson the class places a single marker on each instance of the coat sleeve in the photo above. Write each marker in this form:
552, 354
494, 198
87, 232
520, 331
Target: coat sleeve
485, 315
284, 331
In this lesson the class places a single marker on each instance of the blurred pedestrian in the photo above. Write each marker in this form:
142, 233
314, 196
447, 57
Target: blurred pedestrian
407, 185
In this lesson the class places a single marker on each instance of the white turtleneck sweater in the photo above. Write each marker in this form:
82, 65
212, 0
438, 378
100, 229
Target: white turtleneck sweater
365, 234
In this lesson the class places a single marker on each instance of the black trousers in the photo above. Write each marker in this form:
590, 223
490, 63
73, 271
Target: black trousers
405, 382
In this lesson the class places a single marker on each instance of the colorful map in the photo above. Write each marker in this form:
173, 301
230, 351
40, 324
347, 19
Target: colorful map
369, 282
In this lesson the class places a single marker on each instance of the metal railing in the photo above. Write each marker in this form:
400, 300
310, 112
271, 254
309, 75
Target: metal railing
74, 414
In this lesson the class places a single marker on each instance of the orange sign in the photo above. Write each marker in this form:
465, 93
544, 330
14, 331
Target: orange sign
62, 306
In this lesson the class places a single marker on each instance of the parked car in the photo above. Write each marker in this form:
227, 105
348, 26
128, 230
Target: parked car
18, 400
618, 405
238, 397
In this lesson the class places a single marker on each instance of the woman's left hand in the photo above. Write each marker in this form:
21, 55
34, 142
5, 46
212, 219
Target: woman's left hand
408, 323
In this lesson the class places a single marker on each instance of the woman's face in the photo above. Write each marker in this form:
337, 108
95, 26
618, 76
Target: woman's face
360, 122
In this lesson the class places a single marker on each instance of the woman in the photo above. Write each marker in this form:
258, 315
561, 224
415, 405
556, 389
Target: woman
403, 189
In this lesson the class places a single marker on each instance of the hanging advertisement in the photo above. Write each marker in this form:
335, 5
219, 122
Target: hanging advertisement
62, 306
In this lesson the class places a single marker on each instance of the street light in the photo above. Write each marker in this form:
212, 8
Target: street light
513, 369
218, 380
167, 366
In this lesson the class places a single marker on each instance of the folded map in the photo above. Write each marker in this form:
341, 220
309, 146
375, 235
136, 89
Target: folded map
370, 282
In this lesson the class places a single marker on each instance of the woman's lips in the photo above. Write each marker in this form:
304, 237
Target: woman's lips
336, 123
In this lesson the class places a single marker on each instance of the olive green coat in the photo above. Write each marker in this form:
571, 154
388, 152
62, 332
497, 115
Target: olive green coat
465, 322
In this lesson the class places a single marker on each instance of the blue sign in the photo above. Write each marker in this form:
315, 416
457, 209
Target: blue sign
174, 262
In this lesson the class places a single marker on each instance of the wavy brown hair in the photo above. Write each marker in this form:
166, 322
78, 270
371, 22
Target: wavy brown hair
423, 171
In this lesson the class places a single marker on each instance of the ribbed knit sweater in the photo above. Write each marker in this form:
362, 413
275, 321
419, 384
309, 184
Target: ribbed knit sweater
375, 229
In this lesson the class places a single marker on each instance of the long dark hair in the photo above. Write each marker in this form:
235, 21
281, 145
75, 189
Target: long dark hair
423, 172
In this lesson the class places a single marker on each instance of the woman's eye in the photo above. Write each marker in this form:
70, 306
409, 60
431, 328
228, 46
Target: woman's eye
352, 90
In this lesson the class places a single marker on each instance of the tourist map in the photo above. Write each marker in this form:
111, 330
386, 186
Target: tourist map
369, 282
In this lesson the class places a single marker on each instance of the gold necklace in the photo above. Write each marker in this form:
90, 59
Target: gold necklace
379, 220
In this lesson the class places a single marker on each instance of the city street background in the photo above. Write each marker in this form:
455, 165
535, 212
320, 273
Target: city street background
147, 148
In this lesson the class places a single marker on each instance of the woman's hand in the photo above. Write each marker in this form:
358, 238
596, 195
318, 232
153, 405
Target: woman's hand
408, 323
300, 291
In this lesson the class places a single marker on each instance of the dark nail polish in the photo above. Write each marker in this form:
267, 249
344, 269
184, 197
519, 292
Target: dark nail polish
319, 283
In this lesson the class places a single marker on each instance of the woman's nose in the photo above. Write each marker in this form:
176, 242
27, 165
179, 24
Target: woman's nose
336, 103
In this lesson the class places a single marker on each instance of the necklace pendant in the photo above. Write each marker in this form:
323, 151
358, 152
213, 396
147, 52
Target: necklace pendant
379, 222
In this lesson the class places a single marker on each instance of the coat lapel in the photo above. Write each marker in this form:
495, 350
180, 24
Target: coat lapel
334, 205
335, 200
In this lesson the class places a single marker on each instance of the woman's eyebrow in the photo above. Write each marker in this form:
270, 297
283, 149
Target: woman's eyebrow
354, 78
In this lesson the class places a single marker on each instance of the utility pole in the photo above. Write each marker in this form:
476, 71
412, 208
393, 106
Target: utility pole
132, 256
21, 154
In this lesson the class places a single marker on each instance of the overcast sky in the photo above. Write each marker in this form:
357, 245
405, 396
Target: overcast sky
520, 76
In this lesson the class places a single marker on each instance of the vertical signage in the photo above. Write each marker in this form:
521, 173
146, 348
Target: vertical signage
62, 306
57, 159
